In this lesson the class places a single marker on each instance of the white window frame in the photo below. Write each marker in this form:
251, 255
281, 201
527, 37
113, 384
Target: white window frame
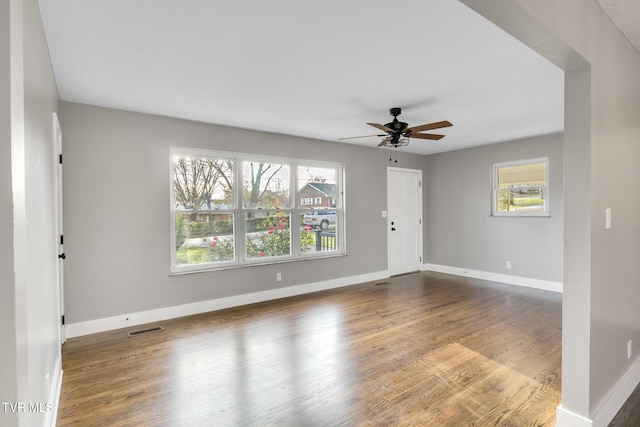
495, 188
295, 210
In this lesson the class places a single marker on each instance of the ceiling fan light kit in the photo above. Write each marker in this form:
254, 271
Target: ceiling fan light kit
398, 133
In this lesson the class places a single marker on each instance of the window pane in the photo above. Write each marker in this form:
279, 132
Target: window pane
522, 175
265, 185
204, 237
521, 200
317, 187
202, 183
268, 234
520, 188
318, 231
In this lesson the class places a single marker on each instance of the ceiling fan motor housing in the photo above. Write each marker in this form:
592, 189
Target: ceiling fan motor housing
396, 125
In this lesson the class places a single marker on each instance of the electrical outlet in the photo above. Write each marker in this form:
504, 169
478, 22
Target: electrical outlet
629, 349
278, 276
508, 265
607, 218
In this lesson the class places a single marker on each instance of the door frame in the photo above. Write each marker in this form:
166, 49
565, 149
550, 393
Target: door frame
418, 172
58, 225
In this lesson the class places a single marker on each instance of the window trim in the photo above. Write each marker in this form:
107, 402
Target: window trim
238, 211
494, 188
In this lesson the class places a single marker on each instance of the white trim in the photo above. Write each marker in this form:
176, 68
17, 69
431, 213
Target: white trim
565, 418
54, 393
617, 396
132, 319
58, 214
496, 277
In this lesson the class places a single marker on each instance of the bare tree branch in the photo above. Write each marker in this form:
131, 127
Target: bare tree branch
196, 180
255, 194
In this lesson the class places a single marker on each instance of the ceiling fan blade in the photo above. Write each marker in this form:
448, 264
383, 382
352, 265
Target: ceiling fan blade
384, 142
431, 136
365, 136
382, 127
429, 126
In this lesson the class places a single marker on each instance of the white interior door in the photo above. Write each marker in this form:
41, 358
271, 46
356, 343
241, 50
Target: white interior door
404, 220
57, 190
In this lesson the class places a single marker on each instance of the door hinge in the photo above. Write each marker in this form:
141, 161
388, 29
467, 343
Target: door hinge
61, 239
63, 319
60, 158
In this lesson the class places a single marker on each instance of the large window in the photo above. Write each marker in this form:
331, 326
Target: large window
521, 188
233, 209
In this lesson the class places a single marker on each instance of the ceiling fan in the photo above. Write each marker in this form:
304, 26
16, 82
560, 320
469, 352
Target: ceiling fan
397, 133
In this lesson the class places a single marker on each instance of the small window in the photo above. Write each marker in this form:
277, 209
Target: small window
521, 188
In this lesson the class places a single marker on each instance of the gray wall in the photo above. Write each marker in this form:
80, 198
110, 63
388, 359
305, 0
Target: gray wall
614, 134
40, 102
462, 233
602, 103
117, 184
30, 350
8, 133
116, 205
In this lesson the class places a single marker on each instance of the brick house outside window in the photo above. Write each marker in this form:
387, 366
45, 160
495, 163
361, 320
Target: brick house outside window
322, 195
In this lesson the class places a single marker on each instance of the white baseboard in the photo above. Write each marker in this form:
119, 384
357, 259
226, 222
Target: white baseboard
54, 393
565, 418
127, 320
496, 277
617, 396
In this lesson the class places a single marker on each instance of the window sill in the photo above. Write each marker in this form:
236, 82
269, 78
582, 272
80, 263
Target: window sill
211, 268
522, 215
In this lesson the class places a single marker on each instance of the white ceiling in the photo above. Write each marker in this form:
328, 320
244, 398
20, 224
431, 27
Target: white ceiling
318, 69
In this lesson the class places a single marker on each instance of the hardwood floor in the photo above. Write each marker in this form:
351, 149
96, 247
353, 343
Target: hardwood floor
419, 349
629, 414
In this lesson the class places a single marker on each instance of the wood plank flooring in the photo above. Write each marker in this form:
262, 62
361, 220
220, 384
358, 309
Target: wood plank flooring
415, 350
629, 414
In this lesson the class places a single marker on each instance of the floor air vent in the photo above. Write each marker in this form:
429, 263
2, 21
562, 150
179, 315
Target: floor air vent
146, 331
